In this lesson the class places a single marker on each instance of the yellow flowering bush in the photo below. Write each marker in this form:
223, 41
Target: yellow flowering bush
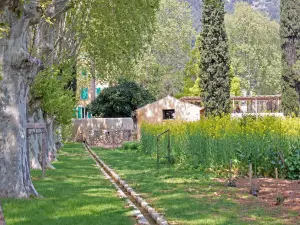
212, 142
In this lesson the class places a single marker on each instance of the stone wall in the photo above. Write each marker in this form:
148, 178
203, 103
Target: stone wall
103, 132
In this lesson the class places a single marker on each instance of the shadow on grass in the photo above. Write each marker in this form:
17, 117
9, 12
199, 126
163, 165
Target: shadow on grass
185, 196
74, 193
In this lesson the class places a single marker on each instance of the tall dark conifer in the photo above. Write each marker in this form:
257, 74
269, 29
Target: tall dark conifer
214, 64
290, 36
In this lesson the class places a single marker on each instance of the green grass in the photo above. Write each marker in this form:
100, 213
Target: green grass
75, 193
188, 197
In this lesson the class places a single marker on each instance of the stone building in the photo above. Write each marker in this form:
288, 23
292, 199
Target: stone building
168, 108
86, 94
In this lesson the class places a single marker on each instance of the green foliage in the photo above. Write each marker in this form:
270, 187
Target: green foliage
214, 63
67, 132
290, 97
254, 47
290, 42
4, 29
120, 100
192, 71
293, 165
50, 90
161, 68
211, 143
235, 89
113, 32
195, 90
131, 145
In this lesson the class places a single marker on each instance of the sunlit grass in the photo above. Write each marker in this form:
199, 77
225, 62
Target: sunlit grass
75, 193
187, 196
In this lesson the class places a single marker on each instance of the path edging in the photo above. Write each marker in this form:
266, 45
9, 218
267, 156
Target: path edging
152, 212
141, 220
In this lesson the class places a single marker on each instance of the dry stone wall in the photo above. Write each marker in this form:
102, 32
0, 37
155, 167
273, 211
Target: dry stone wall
103, 132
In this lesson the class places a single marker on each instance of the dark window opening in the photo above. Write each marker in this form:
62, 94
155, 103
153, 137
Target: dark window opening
169, 114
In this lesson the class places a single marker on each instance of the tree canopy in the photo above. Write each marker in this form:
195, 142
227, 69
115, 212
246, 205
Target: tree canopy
254, 47
120, 100
113, 32
161, 67
290, 43
214, 64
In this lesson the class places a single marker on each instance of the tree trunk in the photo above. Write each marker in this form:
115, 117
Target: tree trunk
50, 149
19, 68
35, 140
14, 163
58, 140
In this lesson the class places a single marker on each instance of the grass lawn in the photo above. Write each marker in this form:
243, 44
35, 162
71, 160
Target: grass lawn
188, 197
75, 193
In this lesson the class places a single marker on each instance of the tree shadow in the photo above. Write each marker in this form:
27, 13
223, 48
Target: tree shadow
185, 196
74, 193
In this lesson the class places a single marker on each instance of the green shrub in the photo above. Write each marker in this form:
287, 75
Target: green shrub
131, 145
120, 101
293, 165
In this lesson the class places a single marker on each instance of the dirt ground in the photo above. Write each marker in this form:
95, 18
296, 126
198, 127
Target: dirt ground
267, 195
268, 190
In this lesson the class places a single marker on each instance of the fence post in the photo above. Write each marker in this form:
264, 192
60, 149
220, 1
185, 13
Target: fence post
230, 171
157, 153
250, 177
28, 148
169, 148
276, 176
43, 152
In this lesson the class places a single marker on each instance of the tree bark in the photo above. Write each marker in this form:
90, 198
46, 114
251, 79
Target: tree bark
19, 68
51, 149
58, 140
18, 71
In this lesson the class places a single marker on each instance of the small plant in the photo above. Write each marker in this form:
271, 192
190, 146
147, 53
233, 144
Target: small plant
167, 160
231, 183
254, 191
280, 199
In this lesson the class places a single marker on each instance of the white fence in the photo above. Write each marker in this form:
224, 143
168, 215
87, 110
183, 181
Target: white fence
240, 115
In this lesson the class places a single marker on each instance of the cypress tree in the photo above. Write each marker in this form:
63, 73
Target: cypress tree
214, 64
290, 37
